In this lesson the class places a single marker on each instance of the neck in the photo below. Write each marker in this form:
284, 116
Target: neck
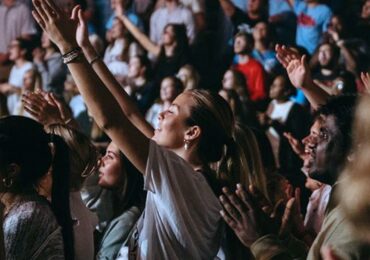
260, 46
312, 4
169, 50
171, 5
139, 81
243, 58
189, 156
254, 15
166, 104
20, 62
282, 100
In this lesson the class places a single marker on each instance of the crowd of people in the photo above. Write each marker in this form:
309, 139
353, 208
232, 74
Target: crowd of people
179, 129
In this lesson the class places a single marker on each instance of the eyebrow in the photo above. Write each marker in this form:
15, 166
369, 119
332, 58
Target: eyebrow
111, 152
176, 106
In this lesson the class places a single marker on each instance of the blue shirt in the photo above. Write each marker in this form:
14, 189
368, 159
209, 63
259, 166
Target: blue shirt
311, 23
131, 16
278, 7
267, 59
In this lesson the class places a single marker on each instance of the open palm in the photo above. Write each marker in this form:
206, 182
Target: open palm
298, 72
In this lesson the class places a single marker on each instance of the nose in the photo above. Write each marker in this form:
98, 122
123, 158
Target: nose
161, 115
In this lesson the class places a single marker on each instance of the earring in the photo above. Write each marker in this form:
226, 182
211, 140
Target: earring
8, 182
186, 145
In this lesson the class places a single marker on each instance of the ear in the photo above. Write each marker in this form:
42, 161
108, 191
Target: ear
13, 170
192, 133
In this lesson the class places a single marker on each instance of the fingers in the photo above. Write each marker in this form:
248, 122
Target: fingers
244, 196
258, 197
80, 17
229, 221
230, 209
39, 13
47, 10
297, 196
75, 11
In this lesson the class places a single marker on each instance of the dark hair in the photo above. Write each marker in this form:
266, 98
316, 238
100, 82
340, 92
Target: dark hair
288, 86
145, 62
131, 193
181, 39
214, 116
26, 45
342, 108
177, 83
248, 39
24, 142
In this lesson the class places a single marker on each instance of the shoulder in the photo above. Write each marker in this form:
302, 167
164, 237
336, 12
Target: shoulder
35, 211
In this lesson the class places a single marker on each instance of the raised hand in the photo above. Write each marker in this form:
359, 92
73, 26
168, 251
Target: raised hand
299, 72
286, 55
245, 216
60, 28
44, 112
365, 77
82, 35
296, 145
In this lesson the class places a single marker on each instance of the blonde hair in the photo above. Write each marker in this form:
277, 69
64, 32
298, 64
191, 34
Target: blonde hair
192, 81
354, 187
231, 150
83, 155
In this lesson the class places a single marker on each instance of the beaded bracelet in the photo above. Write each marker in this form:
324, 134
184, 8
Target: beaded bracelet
71, 55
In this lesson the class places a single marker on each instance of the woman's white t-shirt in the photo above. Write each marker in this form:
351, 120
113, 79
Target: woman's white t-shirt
181, 216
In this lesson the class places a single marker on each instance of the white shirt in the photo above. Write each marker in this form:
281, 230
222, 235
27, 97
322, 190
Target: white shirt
16, 80
153, 113
85, 222
14, 22
280, 112
316, 208
112, 58
162, 16
196, 6
181, 219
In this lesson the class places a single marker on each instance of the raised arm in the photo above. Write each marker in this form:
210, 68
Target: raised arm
228, 7
300, 75
102, 105
139, 35
127, 105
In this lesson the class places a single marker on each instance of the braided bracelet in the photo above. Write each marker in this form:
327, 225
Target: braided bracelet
71, 55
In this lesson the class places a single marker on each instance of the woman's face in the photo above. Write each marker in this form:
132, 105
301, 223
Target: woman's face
111, 168
168, 91
260, 31
117, 29
277, 89
183, 75
134, 68
29, 81
15, 51
228, 80
172, 123
325, 55
168, 36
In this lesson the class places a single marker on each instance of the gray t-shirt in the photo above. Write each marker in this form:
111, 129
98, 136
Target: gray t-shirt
181, 217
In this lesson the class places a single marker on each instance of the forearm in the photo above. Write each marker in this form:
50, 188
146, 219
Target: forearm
348, 57
108, 115
128, 107
140, 36
228, 7
315, 95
